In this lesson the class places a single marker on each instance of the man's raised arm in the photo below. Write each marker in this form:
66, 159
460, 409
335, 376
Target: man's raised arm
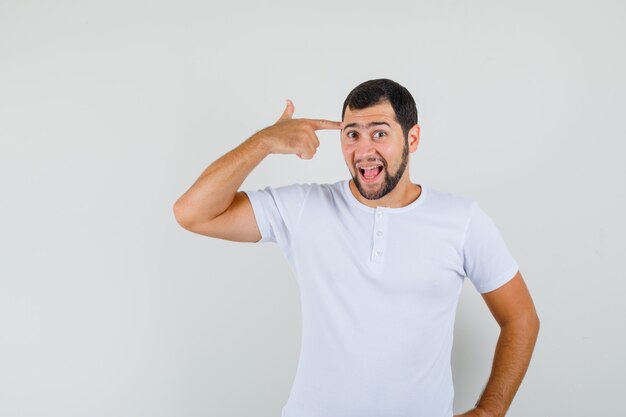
212, 205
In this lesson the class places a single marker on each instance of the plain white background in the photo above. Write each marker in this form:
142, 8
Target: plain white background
110, 110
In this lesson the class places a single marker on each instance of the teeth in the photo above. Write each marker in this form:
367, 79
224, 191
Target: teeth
363, 169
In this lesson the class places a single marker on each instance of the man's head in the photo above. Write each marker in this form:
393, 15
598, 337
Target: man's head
379, 128
374, 91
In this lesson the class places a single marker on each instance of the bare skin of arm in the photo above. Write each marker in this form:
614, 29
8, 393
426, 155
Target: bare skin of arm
212, 205
513, 309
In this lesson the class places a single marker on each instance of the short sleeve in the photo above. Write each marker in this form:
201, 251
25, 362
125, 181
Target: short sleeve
277, 211
486, 258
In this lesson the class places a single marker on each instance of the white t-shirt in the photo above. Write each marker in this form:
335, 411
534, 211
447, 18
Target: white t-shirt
378, 291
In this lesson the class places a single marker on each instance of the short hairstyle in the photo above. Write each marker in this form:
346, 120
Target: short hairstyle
372, 92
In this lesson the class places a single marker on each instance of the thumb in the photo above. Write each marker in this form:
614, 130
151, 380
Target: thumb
288, 111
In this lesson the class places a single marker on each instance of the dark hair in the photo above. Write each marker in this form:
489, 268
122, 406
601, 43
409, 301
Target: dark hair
372, 92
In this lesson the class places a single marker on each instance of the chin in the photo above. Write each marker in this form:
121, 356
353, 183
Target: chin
375, 194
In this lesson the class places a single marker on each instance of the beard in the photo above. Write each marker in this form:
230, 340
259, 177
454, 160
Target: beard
389, 181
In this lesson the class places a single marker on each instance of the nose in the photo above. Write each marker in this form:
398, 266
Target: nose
365, 150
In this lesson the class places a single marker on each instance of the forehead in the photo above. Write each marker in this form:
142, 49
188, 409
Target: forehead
379, 112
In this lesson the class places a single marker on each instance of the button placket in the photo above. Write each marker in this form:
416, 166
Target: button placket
379, 237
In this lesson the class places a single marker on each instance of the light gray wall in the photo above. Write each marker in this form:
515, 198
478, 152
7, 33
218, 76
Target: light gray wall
110, 110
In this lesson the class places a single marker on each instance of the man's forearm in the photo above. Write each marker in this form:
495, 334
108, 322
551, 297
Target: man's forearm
215, 189
512, 356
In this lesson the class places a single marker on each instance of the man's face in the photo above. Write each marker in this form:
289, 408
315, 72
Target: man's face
372, 137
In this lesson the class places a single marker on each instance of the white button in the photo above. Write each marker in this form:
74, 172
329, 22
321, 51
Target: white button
380, 214
379, 233
379, 252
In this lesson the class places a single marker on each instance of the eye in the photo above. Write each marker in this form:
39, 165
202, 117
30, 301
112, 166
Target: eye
349, 134
380, 132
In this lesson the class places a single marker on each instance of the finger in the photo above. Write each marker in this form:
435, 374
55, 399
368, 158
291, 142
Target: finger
309, 151
322, 124
289, 109
307, 155
317, 141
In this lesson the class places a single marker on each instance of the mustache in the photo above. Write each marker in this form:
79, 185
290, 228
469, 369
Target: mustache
378, 160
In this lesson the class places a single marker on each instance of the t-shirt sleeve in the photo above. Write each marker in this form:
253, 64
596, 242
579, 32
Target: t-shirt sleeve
277, 211
486, 258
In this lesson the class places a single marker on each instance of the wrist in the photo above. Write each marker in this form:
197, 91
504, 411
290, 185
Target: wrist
481, 412
261, 142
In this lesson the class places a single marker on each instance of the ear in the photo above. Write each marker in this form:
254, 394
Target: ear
414, 137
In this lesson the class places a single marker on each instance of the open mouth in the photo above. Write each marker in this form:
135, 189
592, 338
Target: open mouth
370, 174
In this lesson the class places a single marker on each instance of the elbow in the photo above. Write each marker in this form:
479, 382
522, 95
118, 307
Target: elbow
527, 324
534, 327
187, 215
531, 326
531, 322
180, 214
536, 323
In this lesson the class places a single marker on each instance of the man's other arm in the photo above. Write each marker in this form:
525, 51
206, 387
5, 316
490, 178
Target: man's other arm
514, 310
212, 206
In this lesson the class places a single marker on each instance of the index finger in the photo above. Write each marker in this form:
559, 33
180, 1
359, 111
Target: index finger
322, 124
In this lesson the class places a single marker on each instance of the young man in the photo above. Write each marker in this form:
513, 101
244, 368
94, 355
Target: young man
379, 261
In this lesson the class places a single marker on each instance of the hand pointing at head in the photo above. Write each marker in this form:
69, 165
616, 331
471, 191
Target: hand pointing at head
295, 136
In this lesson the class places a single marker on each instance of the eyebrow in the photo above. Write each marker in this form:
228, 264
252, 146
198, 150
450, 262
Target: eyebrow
369, 125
